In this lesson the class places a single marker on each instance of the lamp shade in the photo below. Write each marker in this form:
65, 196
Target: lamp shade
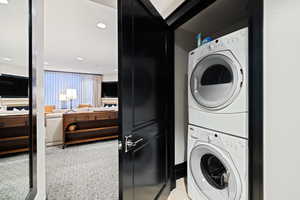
63, 97
71, 94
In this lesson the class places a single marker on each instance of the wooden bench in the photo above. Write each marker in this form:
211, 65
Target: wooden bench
90, 127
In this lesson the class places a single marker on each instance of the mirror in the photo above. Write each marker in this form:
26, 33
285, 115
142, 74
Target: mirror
14, 100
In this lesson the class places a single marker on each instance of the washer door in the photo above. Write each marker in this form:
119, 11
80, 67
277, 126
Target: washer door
214, 173
215, 81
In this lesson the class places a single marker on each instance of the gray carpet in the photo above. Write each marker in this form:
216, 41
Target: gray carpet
14, 177
83, 172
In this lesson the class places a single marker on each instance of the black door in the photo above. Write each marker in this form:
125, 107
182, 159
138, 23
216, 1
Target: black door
145, 110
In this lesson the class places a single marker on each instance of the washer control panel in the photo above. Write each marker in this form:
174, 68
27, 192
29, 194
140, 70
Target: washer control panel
234, 143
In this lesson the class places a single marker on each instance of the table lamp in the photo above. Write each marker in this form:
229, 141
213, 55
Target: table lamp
63, 98
71, 95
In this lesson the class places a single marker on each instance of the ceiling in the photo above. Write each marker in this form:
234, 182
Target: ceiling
14, 33
70, 31
166, 7
217, 17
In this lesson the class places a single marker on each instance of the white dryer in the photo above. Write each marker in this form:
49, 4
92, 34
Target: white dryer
217, 166
218, 84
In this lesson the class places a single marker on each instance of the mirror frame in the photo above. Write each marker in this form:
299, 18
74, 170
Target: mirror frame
32, 105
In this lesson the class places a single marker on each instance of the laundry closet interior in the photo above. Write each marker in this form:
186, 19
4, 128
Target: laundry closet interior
211, 62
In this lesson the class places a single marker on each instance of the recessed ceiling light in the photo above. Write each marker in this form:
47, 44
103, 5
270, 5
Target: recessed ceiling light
80, 58
7, 59
101, 25
46, 63
4, 1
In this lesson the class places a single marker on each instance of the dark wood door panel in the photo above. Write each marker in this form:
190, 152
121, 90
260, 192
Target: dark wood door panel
148, 169
148, 48
146, 94
142, 58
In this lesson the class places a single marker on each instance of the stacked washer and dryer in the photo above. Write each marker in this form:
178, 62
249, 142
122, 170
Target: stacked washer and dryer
218, 119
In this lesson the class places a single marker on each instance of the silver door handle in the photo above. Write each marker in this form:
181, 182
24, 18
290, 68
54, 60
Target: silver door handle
129, 143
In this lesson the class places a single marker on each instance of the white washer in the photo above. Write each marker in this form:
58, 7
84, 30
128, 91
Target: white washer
218, 84
217, 166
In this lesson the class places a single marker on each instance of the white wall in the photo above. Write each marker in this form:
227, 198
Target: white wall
282, 98
184, 42
13, 69
38, 28
110, 77
106, 76
91, 70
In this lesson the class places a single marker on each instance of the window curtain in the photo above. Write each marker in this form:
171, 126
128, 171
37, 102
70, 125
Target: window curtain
87, 86
97, 82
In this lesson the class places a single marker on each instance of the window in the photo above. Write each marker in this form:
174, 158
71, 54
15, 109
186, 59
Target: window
87, 86
214, 171
216, 74
215, 81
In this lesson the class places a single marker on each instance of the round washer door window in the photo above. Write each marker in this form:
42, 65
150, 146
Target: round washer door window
214, 174
214, 171
215, 81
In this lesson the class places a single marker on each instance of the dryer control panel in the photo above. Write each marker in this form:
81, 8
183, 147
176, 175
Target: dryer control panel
216, 44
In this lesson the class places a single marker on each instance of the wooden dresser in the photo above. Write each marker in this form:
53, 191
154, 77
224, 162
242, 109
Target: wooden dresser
90, 126
14, 134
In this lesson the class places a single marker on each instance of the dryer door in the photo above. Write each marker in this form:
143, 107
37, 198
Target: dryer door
214, 173
215, 81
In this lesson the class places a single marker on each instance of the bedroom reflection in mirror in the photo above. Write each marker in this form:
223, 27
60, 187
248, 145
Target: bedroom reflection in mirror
14, 100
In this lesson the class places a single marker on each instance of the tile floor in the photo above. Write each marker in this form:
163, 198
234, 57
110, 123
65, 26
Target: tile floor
180, 192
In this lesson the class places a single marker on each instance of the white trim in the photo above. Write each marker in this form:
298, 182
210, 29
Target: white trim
14, 101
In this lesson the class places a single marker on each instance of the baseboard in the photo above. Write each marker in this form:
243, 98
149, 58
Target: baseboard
50, 144
181, 170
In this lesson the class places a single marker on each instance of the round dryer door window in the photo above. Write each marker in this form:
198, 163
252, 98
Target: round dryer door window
215, 81
214, 173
